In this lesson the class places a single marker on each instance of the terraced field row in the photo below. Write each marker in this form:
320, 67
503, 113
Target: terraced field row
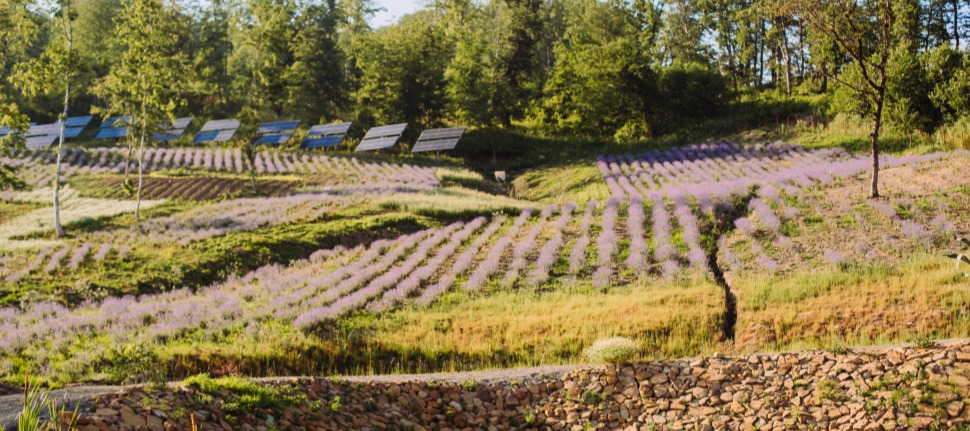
35, 165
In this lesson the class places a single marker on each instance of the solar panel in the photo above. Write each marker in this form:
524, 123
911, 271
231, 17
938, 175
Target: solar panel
111, 133
43, 141
110, 122
81, 122
382, 137
219, 125
182, 123
438, 139
72, 132
274, 139
214, 136
325, 135
322, 142
44, 129
329, 129
170, 135
4, 131
278, 126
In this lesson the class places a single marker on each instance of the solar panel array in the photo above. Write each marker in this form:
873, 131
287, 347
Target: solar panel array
276, 132
325, 135
4, 131
438, 139
41, 141
44, 135
174, 131
382, 137
217, 131
113, 128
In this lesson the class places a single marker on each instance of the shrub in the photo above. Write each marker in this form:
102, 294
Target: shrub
612, 350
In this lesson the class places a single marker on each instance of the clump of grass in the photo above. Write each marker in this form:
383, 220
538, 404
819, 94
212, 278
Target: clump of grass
242, 395
453, 202
612, 350
460, 176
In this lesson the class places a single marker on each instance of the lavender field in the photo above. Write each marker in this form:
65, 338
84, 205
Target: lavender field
343, 264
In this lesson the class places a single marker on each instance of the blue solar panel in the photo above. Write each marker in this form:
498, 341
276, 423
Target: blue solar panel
113, 133
72, 132
214, 136
322, 142
4, 130
277, 139
162, 137
278, 126
110, 121
206, 136
81, 122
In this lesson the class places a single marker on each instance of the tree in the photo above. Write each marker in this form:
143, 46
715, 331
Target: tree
402, 75
210, 83
55, 70
603, 82
864, 31
316, 83
145, 84
517, 61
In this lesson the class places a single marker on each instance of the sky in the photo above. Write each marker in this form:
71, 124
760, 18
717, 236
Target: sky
395, 9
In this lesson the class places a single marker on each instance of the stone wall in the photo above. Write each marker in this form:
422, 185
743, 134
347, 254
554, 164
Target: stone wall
893, 388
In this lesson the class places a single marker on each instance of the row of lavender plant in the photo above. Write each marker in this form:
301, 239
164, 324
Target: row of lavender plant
521, 251
493, 259
606, 244
549, 253
577, 257
56, 260
232, 160
461, 264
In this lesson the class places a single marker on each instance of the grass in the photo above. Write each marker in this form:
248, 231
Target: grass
241, 396
164, 267
468, 332
453, 202
870, 304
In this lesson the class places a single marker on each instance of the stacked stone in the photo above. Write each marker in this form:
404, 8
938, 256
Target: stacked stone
896, 388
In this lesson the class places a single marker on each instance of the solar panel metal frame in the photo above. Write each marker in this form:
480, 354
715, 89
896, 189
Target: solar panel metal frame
111, 133
438, 139
274, 127
379, 138
273, 139
41, 141
216, 125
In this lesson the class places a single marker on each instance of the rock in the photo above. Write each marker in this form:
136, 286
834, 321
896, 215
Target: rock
954, 409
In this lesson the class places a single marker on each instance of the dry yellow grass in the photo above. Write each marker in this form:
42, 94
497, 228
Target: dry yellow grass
672, 320
923, 297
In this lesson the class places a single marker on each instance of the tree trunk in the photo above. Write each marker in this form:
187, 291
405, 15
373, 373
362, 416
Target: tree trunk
787, 53
60, 155
956, 23
141, 157
252, 170
59, 230
825, 78
874, 191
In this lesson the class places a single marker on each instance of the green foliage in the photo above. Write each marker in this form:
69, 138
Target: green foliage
401, 79
241, 395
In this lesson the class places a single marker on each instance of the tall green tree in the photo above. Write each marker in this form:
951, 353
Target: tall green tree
17, 28
55, 71
315, 80
262, 53
211, 83
603, 82
521, 25
402, 76
146, 82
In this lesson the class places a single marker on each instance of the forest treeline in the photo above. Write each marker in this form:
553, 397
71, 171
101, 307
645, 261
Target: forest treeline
622, 69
